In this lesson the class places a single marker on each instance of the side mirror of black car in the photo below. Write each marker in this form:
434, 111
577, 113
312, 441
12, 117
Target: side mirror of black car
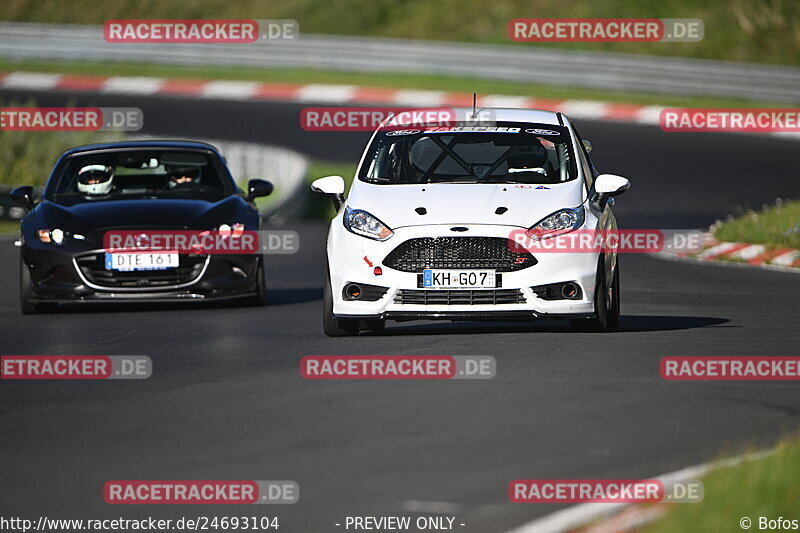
23, 196
257, 188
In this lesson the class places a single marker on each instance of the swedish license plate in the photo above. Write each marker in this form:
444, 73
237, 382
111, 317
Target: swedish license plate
458, 279
141, 261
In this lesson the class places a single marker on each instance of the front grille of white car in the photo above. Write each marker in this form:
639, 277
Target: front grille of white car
459, 297
494, 253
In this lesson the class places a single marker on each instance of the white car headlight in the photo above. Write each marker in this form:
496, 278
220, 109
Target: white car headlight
558, 223
364, 224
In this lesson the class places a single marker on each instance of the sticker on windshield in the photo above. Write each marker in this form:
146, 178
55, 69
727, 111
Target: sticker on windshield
402, 132
535, 131
472, 129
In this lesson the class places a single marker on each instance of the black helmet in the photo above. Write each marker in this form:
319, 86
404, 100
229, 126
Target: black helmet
535, 158
184, 171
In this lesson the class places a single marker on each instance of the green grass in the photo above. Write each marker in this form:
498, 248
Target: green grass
738, 30
9, 227
765, 487
26, 157
390, 80
775, 227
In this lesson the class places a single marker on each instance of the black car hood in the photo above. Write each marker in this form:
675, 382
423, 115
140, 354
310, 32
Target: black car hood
139, 213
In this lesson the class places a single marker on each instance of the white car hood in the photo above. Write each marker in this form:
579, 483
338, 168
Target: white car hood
448, 203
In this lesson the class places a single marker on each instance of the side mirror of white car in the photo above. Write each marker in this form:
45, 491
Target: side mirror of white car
332, 186
329, 185
611, 185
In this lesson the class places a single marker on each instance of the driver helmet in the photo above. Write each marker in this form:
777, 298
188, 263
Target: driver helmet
95, 179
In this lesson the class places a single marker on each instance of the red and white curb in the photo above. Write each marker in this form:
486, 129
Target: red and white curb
325, 94
316, 93
630, 519
741, 254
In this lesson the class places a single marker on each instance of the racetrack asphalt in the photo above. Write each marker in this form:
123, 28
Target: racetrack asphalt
226, 399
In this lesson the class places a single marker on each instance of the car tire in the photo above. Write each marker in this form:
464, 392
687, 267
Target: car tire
599, 322
25, 305
260, 299
614, 307
334, 327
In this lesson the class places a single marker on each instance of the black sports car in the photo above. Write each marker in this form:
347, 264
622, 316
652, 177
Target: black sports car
135, 186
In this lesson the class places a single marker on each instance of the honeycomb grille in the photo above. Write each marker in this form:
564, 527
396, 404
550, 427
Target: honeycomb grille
494, 253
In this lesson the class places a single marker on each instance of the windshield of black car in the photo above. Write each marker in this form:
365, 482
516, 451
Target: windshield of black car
504, 153
146, 173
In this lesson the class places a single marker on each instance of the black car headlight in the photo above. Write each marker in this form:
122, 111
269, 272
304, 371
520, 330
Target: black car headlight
55, 235
227, 230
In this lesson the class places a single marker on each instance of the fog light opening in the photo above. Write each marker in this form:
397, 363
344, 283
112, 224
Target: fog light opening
570, 290
353, 291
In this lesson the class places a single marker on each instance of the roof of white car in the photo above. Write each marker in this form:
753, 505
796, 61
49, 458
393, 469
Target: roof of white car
508, 114
495, 114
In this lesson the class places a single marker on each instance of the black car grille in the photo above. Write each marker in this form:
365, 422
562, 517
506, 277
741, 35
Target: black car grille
459, 297
494, 253
93, 268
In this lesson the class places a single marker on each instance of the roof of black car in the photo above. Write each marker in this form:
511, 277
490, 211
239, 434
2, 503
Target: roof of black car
143, 144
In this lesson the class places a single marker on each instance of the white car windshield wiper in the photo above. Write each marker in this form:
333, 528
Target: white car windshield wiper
508, 180
454, 179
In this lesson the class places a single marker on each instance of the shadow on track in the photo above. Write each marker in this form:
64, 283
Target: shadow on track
274, 297
628, 323
293, 296
139, 307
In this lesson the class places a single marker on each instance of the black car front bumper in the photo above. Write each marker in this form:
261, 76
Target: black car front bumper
60, 275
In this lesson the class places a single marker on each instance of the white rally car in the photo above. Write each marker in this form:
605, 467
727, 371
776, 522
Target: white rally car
427, 231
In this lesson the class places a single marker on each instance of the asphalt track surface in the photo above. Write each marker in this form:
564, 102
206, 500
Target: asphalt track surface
226, 400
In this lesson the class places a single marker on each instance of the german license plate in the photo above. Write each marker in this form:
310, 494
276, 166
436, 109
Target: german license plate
458, 279
141, 261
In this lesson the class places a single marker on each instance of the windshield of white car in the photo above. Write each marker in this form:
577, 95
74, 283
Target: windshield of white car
504, 153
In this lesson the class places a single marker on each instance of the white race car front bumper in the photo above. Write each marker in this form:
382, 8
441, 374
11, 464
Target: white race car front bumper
352, 259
